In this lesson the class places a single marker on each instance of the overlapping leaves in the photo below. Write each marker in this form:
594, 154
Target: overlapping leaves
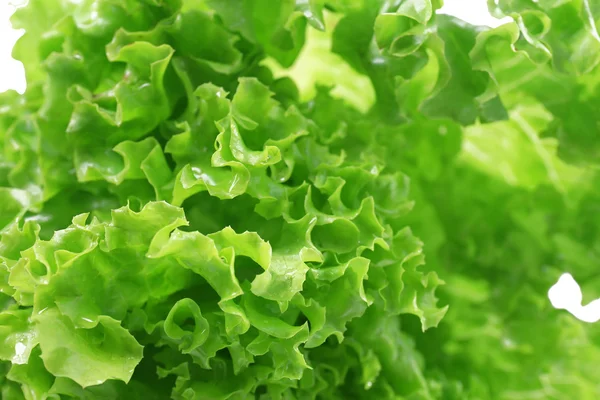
210, 199
132, 122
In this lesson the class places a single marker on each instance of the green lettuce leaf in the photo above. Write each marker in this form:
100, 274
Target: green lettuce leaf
207, 199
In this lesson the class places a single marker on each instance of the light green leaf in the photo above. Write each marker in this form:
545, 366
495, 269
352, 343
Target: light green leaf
88, 356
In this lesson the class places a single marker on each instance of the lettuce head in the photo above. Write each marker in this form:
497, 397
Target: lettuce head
260, 199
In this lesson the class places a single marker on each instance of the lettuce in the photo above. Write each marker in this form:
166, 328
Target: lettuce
252, 199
